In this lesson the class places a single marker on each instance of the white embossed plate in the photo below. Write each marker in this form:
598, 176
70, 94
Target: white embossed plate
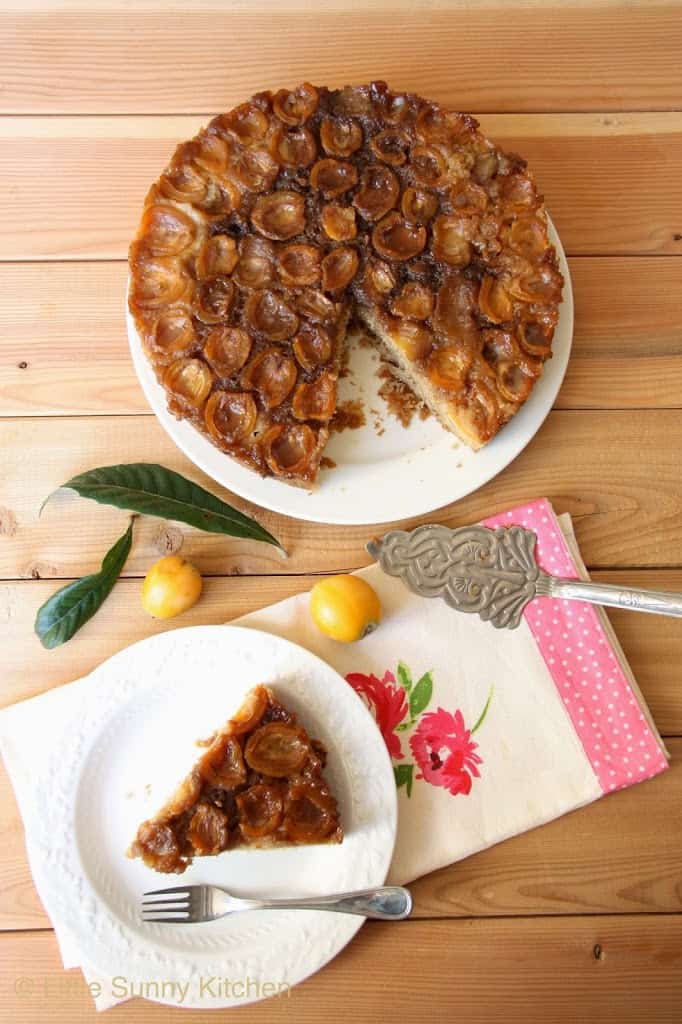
404, 472
122, 757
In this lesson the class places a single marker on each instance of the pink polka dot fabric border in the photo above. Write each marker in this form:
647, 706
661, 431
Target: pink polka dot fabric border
600, 702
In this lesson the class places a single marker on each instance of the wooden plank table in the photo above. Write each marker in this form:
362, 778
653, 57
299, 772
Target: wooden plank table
581, 919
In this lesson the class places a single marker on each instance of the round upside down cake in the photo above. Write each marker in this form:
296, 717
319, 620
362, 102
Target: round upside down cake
299, 208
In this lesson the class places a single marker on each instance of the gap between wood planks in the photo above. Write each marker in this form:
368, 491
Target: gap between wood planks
463, 919
55, 417
208, 114
237, 574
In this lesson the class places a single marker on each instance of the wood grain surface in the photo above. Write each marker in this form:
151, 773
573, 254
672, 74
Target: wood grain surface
48, 321
527, 970
60, 57
599, 206
578, 920
617, 471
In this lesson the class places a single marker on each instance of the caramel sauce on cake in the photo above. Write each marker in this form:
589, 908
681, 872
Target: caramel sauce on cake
299, 208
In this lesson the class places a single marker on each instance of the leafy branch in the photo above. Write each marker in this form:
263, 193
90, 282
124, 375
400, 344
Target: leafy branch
141, 487
65, 612
152, 489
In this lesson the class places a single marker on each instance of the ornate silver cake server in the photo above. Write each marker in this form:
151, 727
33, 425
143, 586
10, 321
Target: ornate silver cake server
494, 573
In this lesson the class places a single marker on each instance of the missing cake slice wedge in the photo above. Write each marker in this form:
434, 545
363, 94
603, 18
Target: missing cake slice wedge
258, 784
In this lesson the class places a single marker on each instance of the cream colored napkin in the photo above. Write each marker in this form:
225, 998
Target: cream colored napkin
491, 732
494, 750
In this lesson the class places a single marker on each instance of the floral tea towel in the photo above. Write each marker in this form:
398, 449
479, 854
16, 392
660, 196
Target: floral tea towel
491, 732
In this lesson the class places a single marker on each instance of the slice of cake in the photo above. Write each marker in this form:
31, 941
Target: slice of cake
259, 784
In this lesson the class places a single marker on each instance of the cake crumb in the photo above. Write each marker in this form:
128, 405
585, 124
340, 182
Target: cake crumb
348, 416
327, 463
402, 402
377, 421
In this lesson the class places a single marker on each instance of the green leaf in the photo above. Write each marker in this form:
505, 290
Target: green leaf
421, 695
154, 490
404, 726
404, 676
404, 776
65, 612
481, 717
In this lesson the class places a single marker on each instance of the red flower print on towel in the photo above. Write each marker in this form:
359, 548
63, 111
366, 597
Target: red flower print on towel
444, 751
441, 744
388, 702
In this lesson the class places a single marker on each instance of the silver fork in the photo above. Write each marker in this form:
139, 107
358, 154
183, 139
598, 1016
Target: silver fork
191, 904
